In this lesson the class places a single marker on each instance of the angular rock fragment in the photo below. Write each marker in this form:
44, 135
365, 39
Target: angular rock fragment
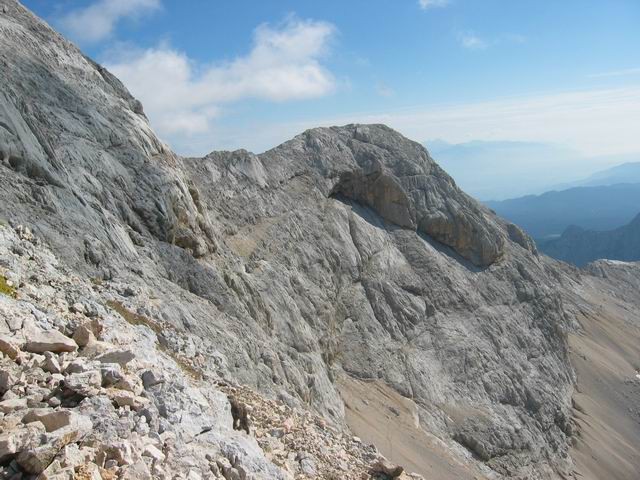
86, 383
51, 419
83, 336
10, 347
6, 381
124, 398
40, 341
36, 460
20, 438
121, 357
11, 405
385, 467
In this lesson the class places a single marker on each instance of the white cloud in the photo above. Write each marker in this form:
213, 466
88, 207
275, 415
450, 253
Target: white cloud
181, 97
472, 41
513, 38
384, 90
616, 73
97, 21
425, 4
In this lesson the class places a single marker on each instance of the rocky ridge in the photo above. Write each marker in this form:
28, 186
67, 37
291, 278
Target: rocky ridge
86, 393
345, 252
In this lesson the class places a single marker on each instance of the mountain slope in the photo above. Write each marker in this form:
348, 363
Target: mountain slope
346, 254
579, 246
624, 173
594, 208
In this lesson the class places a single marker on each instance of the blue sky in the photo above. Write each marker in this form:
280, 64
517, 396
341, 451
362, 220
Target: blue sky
253, 73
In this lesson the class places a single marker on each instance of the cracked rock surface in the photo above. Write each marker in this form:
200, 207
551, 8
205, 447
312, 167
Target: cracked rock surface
121, 406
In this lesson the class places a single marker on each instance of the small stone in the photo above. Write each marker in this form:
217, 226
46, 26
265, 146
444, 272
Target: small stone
122, 357
20, 438
151, 379
51, 363
11, 405
194, 475
137, 471
14, 323
83, 336
88, 471
6, 381
85, 383
34, 361
277, 432
72, 455
55, 471
48, 341
130, 383
308, 466
10, 395
224, 465
153, 452
9, 347
120, 451
77, 307
385, 467
124, 398
51, 419
35, 460
288, 425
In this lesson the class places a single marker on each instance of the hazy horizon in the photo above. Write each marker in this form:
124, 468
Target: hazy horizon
499, 170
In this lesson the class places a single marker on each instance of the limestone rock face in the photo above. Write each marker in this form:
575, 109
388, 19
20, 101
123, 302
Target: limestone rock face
346, 251
378, 168
67, 125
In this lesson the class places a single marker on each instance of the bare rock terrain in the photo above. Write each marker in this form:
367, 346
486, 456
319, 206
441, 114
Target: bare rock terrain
142, 289
122, 406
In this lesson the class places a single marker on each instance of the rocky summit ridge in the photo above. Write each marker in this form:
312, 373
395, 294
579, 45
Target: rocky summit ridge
210, 317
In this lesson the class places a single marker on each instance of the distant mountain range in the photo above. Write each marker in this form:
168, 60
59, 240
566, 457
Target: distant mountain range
593, 208
498, 170
625, 173
597, 217
579, 246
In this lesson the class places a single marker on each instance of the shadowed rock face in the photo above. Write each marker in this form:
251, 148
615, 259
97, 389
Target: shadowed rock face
380, 169
345, 251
